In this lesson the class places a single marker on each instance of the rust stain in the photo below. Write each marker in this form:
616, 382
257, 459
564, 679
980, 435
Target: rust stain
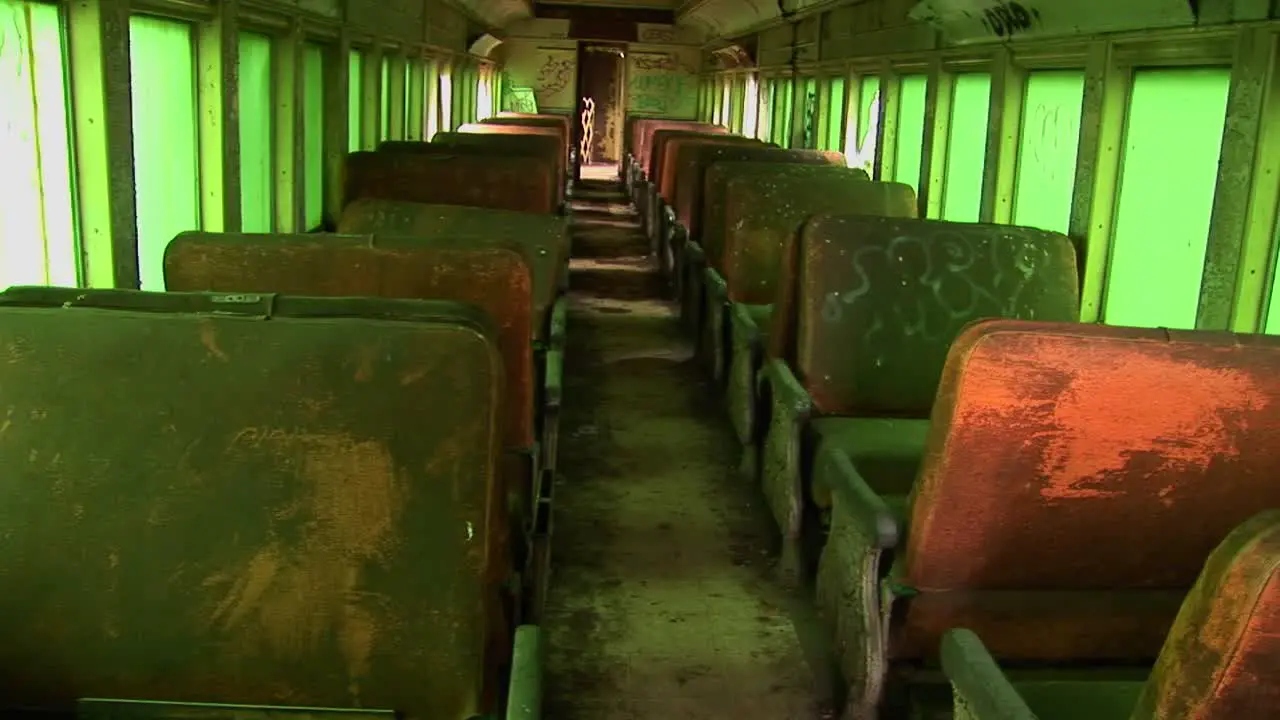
291, 596
1187, 429
209, 338
365, 357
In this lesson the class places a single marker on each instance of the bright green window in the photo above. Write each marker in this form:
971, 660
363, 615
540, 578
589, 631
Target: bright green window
355, 98
313, 134
906, 163
835, 115
1049, 141
384, 128
165, 151
256, 207
966, 147
37, 221
445, 99
1167, 177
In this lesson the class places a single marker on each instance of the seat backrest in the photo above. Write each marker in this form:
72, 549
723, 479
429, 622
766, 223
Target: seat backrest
866, 307
543, 240
1220, 660
642, 150
251, 500
1065, 456
658, 146
716, 181
495, 279
453, 175
691, 163
764, 209
537, 141
560, 123
674, 147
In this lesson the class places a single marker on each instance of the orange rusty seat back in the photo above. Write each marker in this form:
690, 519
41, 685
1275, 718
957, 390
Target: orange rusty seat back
691, 161
1075, 479
495, 279
560, 123
765, 206
447, 175
1220, 660
664, 146
866, 307
644, 128
658, 145
479, 133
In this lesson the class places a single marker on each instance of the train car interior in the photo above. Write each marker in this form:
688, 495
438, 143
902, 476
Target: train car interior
809, 359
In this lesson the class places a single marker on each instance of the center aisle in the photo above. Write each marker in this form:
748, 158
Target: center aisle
661, 602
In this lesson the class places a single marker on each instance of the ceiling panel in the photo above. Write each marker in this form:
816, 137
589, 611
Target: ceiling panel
498, 13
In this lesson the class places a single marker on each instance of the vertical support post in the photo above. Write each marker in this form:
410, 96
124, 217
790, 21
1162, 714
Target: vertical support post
395, 104
98, 43
1106, 87
371, 103
887, 143
937, 130
1235, 243
289, 103
337, 94
217, 88
1004, 125
417, 101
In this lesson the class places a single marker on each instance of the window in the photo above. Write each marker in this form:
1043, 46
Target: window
751, 107
764, 115
408, 93
966, 147
165, 156
355, 99
1047, 148
1273, 302
1165, 198
431, 86
835, 115
906, 164
384, 126
864, 126
809, 114
256, 207
37, 225
445, 99
313, 135
783, 103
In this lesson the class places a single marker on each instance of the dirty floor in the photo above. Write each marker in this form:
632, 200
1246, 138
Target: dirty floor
662, 603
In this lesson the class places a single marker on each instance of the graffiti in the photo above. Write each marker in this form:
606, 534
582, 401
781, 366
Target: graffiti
522, 100
1008, 17
929, 287
810, 111
1043, 152
660, 94
655, 61
555, 74
658, 34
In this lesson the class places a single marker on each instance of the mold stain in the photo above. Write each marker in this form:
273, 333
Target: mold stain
290, 597
1141, 404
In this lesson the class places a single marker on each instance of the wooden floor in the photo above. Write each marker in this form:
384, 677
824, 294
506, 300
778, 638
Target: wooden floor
662, 601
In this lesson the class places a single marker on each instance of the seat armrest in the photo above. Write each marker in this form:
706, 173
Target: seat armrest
553, 381
559, 323
787, 390
982, 692
524, 694
881, 526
